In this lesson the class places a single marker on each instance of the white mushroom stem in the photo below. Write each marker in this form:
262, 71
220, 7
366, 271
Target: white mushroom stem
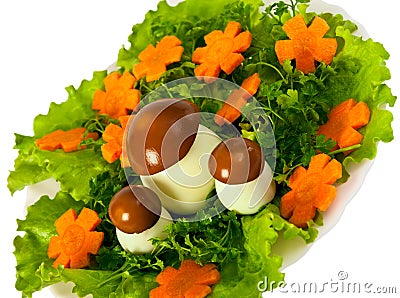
140, 243
183, 187
247, 198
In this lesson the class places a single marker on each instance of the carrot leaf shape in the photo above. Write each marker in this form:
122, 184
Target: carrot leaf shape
154, 60
189, 281
66, 140
310, 190
76, 240
113, 136
343, 122
230, 110
222, 51
119, 97
306, 44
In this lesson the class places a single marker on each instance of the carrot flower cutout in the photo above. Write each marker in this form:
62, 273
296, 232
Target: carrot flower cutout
66, 140
76, 239
190, 281
113, 135
154, 60
119, 97
222, 51
306, 44
311, 189
343, 122
230, 110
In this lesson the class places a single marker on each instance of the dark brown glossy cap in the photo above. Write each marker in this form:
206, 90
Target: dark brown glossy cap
128, 213
161, 134
236, 161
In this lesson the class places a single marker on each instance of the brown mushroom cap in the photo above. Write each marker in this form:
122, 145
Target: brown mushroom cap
236, 161
161, 134
128, 213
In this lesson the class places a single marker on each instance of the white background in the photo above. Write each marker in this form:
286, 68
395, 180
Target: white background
48, 45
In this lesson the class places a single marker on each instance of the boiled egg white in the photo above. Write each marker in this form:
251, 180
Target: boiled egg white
140, 243
249, 197
183, 187
243, 179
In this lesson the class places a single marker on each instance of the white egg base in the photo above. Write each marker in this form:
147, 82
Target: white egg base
139, 243
183, 187
247, 198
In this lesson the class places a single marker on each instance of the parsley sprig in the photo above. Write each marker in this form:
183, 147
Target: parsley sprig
278, 10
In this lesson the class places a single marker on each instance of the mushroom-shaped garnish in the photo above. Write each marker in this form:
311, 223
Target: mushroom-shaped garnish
169, 149
243, 178
136, 224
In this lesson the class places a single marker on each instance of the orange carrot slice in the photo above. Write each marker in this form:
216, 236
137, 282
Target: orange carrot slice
113, 136
230, 110
311, 189
190, 281
154, 60
222, 51
66, 140
306, 45
251, 85
76, 240
119, 97
343, 122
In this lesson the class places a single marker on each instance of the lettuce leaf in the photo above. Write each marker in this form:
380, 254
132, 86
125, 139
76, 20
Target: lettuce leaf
135, 286
73, 170
257, 264
101, 283
74, 111
26, 166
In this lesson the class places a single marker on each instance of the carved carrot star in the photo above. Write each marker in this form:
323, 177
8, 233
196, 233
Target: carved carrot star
119, 97
190, 280
76, 240
113, 136
343, 122
154, 60
66, 140
306, 45
222, 51
312, 189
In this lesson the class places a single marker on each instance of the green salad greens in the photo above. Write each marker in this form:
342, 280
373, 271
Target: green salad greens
295, 103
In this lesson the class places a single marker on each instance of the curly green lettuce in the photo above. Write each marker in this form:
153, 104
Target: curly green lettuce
258, 263
72, 170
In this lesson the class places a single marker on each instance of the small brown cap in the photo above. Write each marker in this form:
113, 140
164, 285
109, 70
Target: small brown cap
134, 209
236, 161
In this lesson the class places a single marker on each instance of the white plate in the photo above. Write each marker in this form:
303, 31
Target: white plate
290, 250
